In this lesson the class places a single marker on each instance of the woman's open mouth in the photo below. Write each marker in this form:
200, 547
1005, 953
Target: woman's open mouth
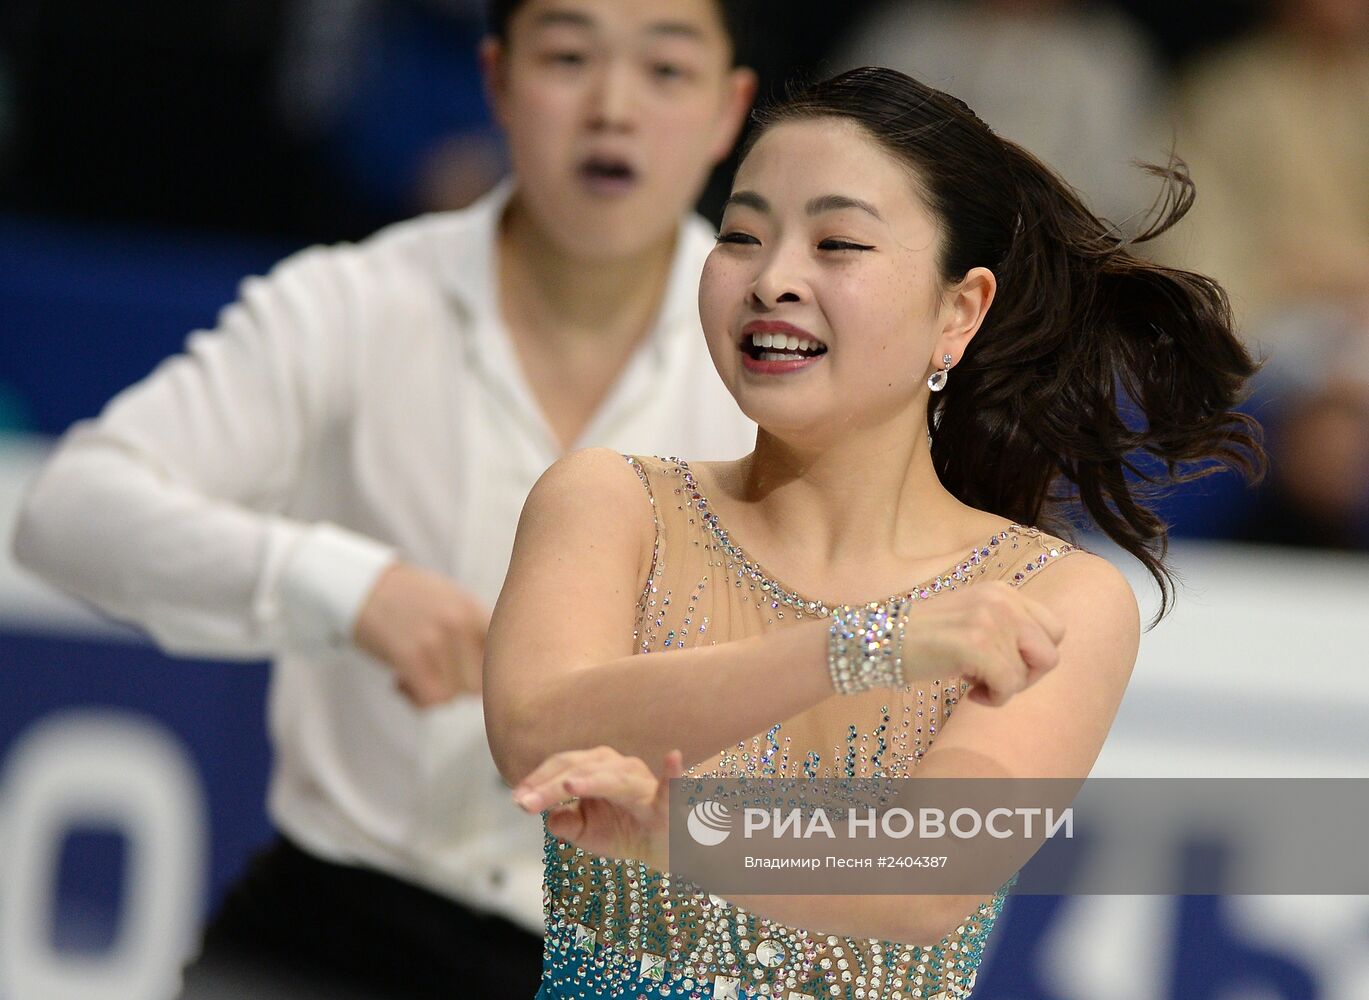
774, 352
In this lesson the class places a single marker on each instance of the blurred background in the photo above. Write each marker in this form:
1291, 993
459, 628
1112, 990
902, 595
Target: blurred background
154, 153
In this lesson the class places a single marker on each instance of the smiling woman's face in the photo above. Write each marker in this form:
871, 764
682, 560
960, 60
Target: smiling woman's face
825, 240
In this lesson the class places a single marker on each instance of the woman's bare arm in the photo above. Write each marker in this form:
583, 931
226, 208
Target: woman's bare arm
1053, 729
561, 675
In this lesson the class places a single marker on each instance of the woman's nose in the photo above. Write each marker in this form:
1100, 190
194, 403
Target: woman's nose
778, 282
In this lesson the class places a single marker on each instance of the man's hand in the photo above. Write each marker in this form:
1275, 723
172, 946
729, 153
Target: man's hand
428, 630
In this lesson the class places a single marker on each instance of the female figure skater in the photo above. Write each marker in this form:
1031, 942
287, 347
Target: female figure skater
931, 332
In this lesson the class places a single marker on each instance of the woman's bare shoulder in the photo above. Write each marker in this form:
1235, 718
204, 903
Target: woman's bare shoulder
1075, 581
597, 484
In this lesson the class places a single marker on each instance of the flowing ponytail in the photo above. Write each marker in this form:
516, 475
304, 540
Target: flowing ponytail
1090, 358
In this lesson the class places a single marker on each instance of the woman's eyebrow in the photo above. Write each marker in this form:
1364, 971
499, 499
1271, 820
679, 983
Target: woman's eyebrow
835, 202
748, 199
816, 206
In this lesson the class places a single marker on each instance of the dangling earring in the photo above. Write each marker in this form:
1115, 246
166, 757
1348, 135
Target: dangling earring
937, 381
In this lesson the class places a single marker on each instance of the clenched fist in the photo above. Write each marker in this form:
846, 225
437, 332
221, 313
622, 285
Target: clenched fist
428, 630
992, 634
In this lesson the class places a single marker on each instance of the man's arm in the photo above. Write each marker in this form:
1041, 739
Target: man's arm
167, 510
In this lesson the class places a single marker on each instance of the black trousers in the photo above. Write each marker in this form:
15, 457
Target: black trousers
296, 927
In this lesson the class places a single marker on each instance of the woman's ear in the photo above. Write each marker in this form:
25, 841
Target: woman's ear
967, 305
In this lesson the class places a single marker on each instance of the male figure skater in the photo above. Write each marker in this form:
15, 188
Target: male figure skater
333, 475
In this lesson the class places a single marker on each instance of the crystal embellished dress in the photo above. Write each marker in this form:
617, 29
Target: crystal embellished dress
624, 930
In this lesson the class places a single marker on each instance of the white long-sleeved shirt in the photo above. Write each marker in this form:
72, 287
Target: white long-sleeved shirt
362, 402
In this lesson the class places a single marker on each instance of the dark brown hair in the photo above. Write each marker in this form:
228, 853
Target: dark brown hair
1097, 379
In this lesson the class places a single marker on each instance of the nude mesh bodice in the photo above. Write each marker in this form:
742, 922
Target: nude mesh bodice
614, 925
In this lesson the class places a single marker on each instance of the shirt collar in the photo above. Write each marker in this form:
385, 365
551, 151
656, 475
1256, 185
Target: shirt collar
470, 271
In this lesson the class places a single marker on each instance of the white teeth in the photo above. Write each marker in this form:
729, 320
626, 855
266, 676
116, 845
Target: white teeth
783, 342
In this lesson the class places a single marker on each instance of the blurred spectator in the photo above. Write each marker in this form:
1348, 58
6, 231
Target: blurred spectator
1275, 128
1318, 494
1075, 85
1314, 400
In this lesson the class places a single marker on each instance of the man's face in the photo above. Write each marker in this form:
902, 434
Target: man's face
615, 112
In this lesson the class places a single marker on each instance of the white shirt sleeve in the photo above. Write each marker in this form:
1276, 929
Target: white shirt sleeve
167, 510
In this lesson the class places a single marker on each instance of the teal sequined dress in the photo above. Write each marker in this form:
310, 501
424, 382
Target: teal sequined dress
623, 930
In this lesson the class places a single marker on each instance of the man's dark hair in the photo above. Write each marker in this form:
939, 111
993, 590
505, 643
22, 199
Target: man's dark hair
731, 12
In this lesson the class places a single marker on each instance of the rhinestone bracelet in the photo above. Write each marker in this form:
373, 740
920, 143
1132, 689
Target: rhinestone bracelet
865, 646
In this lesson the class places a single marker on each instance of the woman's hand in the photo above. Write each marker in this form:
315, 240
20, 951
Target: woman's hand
993, 635
618, 808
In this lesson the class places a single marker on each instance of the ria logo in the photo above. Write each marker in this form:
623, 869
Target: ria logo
709, 823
